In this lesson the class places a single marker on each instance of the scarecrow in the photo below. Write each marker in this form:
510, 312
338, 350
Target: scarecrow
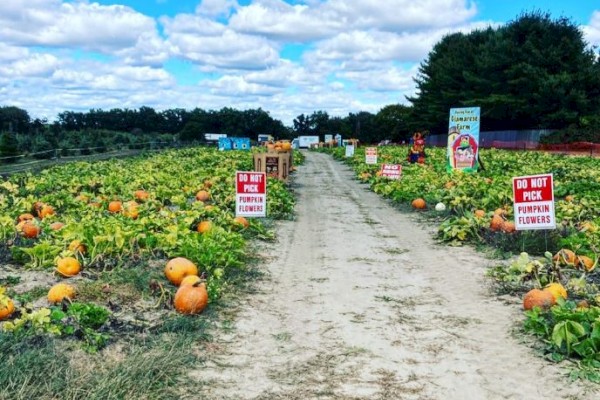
416, 153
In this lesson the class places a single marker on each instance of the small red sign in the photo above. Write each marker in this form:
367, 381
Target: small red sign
251, 194
391, 171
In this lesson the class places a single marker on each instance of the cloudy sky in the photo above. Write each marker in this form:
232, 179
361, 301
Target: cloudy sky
287, 57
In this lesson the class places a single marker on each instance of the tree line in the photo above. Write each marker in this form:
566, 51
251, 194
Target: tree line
535, 72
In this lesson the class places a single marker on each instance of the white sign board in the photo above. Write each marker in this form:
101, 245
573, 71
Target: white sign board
533, 198
371, 155
349, 150
328, 138
250, 194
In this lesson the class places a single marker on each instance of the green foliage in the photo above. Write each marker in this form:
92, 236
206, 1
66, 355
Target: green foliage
569, 331
9, 147
534, 72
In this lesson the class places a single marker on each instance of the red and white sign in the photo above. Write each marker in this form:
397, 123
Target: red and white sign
250, 194
534, 202
391, 171
371, 155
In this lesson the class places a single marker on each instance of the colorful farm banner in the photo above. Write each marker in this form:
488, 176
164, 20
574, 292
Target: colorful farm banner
371, 155
534, 202
463, 139
250, 194
391, 171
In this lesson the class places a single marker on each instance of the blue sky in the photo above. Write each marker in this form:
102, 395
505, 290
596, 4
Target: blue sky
288, 58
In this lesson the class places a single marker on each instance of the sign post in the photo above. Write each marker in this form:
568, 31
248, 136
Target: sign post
250, 194
391, 171
371, 155
534, 202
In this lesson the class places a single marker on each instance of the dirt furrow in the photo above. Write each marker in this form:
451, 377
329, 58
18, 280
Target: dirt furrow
360, 303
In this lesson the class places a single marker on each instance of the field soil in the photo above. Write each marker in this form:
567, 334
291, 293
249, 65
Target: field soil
359, 302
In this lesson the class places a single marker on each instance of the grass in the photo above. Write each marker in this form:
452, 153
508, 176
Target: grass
147, 361
45, 368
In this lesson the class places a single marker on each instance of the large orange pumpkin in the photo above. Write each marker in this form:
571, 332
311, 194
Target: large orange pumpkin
178, 268
538, 298
191, 299
68, 266
60, 291
202, 195
419, 204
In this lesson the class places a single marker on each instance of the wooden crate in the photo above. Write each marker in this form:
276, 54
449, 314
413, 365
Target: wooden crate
274, 164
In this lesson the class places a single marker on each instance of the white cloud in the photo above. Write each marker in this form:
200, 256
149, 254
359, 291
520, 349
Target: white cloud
11, 53
230, 50
88, 26
236, 86
216, 8
34, 65
592, 31
300, 22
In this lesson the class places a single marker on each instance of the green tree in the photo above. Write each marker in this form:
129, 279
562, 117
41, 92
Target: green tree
534, 72
8, 147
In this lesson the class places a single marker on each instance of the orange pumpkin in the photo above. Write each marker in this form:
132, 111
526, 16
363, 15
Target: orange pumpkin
449, 185
178, 268
7, 307
141, 195
204, 226
538, 298
241, 221
191, 299
68, 266
60, 291
202, 195
115, 207
419, 204
569, 198
207, 184
30, 230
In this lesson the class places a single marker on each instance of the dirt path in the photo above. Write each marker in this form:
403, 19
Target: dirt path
361, 304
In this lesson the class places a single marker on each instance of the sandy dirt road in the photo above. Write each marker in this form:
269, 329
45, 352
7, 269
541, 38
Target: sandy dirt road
359, 303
